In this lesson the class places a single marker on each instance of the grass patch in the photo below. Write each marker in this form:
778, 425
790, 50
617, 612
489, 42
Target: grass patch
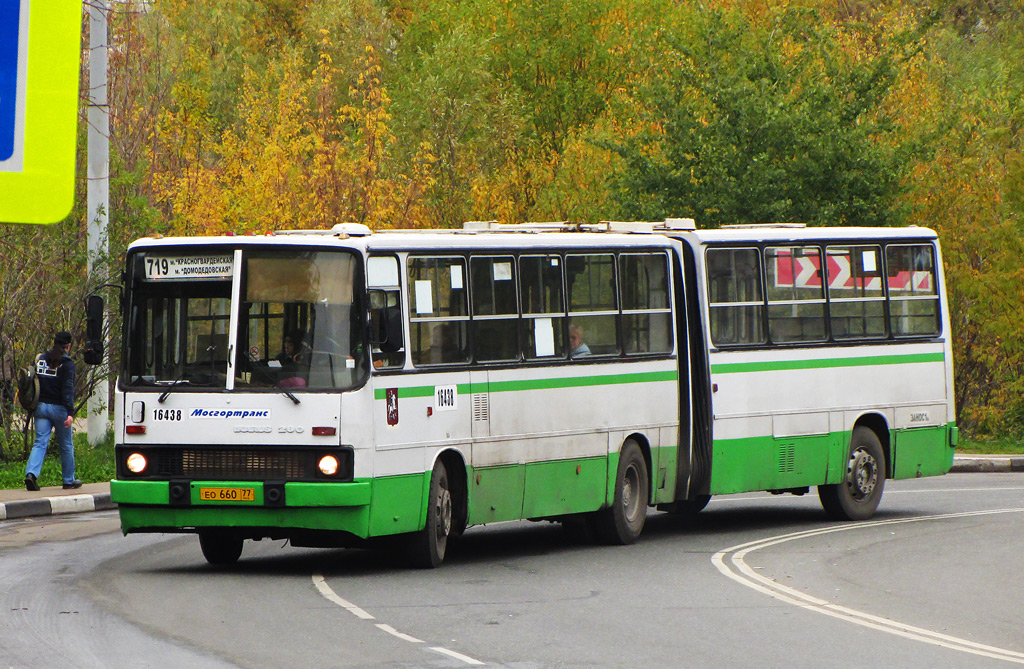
92, 465
990, 446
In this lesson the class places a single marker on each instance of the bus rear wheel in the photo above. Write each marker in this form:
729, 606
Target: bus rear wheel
430, 544
857, 496
220, 548
622, 523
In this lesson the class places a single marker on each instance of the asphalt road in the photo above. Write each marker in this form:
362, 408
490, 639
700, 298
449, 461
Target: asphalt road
756, 580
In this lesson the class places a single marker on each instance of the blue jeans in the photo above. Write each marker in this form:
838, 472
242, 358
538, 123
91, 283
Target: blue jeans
51, 417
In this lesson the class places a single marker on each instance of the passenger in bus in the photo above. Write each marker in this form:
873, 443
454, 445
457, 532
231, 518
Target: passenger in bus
576, 343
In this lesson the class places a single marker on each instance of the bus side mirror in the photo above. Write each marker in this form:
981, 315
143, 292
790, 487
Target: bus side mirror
92, 352
385, 321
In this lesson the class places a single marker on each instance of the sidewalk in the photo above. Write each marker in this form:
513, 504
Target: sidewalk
20, 503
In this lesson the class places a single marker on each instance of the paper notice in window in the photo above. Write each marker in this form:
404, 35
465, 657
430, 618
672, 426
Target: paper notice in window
424, 297
544, 336
868, 258
502, 271
456, 277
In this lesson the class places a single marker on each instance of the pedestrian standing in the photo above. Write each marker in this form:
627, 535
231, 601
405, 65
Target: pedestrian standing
55, 413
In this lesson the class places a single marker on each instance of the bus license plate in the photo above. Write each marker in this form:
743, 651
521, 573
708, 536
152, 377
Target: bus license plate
227, 494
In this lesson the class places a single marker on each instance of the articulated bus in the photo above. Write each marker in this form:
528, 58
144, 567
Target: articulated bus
339, 386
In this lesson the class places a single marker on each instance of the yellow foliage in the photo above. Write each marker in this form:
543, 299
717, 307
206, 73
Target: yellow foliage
293, 161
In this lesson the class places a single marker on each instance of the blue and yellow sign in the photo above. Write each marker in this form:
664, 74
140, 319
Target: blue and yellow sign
39, 55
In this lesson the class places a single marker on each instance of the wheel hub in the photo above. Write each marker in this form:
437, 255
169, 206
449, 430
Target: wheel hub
444, 513
862, 473
630, 485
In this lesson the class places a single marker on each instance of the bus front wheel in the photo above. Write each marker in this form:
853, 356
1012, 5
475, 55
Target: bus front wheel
624, 520
857, 496
220, 548
430, 544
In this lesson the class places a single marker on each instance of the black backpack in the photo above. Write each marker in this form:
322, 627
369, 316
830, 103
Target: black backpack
28, 387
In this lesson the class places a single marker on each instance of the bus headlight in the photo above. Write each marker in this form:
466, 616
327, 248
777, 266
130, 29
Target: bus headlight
136, 463
328, 465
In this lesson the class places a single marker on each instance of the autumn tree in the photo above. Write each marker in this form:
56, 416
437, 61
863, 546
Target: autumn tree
972, 192
255, 115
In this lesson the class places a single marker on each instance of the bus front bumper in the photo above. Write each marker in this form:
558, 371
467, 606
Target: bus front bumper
188, 506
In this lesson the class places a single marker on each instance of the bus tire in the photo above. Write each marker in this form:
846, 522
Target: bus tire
430, 544
858, 495
622, 523
220, 548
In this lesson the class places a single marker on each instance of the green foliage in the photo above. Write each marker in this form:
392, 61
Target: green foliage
452, 102
763, 121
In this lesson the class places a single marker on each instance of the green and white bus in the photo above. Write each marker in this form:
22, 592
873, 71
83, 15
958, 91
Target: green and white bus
332, 387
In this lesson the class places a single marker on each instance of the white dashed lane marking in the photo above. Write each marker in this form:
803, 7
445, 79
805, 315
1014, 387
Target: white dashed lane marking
331, 596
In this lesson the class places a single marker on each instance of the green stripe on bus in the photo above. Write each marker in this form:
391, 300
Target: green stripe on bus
825, 363
577, 382
538, 384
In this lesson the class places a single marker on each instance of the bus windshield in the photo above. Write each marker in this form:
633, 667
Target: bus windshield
298, 320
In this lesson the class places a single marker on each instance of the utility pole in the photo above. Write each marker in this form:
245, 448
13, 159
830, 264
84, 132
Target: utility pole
98, 194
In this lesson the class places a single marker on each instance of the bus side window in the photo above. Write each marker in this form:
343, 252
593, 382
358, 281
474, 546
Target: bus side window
593, 312
495, 311
438, 310
736, 301
913, 294
386, 329
643, 289
542, 294
387, 340
796, 300
855, 292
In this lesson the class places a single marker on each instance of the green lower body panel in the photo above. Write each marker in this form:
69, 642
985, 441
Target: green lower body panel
350, 520
559, 487
923, 451
564, 486
769, 463
496, 494
538, 490
664, 470
398, 504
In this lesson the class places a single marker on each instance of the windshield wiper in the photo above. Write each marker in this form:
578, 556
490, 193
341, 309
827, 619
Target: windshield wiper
264, 375
293, 398
181, 380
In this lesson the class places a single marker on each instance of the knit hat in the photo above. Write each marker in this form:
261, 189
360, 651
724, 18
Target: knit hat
62, 338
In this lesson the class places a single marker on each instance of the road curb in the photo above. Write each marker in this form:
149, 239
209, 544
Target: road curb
51, 506
987, 464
